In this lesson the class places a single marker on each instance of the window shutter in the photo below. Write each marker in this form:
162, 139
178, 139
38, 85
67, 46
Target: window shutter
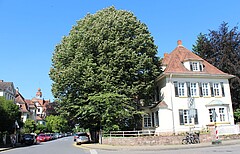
200, 89
181, 117
212, 92
196, 117
191, 68
223, 93
157, 93
200, 67
176, 88
188, 89
153, 120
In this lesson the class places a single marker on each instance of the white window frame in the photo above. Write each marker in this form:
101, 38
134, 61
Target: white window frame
147, 121
193, 89
195, 66
181, 89
185, 119
216, 89
205, 89
210, 111
221, 115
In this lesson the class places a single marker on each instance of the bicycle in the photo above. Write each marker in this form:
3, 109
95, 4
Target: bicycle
191, 138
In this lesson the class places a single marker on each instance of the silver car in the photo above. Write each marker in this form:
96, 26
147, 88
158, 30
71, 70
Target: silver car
82, 138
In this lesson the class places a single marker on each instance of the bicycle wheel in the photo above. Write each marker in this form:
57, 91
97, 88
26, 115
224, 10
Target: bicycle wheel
196, 140
184, 141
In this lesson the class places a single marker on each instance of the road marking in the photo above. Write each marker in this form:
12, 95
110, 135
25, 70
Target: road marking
93, 151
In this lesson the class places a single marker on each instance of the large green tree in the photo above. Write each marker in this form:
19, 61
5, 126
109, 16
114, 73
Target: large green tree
56, 124
103, 67
222, 49
9, 114
29, 126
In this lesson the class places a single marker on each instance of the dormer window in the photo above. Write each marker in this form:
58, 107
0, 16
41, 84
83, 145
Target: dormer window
196, 66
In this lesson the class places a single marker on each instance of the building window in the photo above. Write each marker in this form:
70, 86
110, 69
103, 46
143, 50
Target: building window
38, 110
147, 121
217, 114
212, 115
193, 89
216, 89
181, 88
205, 89
221, 114
195, 66
186, 118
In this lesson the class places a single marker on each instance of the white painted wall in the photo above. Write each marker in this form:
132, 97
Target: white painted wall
168, 93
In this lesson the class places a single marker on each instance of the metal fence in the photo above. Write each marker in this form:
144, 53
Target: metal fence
137, 133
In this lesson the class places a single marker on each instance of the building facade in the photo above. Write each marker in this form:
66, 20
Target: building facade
7, 90
190, 94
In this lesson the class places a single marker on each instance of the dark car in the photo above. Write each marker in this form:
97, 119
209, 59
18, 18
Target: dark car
28, 139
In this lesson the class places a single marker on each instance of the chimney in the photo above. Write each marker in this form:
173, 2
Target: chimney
179, 42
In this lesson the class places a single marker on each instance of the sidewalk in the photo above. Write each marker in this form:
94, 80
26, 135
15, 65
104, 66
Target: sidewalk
9, 146
156, 147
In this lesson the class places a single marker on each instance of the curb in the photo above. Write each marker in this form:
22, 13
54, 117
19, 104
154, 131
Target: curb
156, 147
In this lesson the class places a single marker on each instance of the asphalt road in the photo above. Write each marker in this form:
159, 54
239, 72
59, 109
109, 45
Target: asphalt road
67, 146
60, 146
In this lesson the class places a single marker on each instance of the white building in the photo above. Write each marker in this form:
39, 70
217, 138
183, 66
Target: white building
7, 90
190, 93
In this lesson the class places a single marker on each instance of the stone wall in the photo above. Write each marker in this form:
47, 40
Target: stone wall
163, 140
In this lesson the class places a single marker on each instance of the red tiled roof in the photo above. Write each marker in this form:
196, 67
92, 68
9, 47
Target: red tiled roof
160, 104
21, 101
30, 103
174, 63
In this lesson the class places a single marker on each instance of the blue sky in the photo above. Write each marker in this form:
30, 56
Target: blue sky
30, 30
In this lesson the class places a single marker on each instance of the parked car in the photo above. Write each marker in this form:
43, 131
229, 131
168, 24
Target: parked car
82, 138
41, 138
48, 137
28, 139
75, 137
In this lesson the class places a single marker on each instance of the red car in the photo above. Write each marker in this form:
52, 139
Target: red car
41, 138
48, 137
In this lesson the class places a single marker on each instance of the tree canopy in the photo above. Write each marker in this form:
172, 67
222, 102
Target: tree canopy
9, 114
103, 67
221, 48
56, 124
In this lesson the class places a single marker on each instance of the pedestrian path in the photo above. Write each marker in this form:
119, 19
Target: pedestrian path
157, 147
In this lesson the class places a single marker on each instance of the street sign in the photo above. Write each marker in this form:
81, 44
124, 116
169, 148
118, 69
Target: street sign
191, 103
191, 107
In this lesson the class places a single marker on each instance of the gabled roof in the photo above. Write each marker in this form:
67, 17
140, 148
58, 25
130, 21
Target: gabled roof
5, 85
21, 101
174, 63
30, 103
